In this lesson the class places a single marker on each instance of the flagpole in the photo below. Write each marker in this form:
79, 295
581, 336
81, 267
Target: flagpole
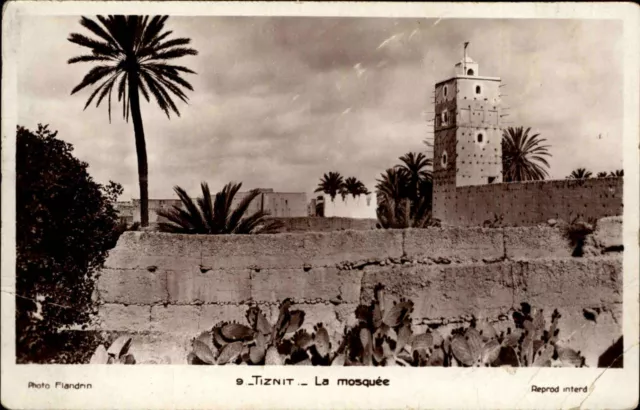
464, 59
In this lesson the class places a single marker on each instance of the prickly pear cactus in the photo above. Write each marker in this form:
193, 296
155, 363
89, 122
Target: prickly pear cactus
383, 336
118, 353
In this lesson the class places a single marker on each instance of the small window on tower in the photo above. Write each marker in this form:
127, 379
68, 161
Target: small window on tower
491, 179
478, 89
445, 90
470, 71
444, 159
480, 137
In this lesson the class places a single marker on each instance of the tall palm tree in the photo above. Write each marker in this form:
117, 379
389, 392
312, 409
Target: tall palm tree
416, 168
617, 173
354, 187
580, 173
216, 217
602, 175
330, 184
523, 155
131, 53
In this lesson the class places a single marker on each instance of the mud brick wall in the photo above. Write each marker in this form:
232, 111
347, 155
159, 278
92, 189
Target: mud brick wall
529, 203
166, 288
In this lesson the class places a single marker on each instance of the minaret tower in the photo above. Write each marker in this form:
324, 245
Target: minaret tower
467, 135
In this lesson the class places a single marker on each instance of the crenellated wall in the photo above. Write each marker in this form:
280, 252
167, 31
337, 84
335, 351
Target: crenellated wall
529, 203
166, 288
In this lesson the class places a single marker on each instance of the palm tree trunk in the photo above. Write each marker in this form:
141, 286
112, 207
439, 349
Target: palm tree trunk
141, 149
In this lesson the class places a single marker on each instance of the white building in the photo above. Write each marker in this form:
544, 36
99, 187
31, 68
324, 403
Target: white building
363, 206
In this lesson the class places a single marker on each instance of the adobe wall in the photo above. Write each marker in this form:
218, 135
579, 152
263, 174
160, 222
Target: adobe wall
530, 203
325, 224
164, 288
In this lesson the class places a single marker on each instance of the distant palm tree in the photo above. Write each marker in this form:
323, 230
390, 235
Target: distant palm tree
354, 187
617, 173
523, 156
401, 213
416, 168
396, 208
331, 184
132, 53
602, 175
216, 217
580, 173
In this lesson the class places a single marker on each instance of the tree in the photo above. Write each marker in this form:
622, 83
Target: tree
330, 184
523, 155
393, 183
414, 167
354, 187
602, 175
132, 53
580, 173
617, 173
65, 223
216, 217
400, 205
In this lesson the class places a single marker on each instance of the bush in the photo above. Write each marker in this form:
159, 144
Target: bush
65, 225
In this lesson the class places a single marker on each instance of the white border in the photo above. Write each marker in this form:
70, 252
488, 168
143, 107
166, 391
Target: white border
154, 387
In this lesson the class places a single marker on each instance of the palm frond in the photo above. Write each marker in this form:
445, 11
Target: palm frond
190, 216
206, 207
97, 47
88, 58
159, 97
222, 205
97, 30
523, 155
175, 53
93, 76
234, 219
130, 44
250, 223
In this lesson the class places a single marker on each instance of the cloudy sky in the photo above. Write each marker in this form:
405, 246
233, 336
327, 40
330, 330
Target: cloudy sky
280, 101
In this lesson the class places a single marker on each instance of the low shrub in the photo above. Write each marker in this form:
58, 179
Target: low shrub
576, 233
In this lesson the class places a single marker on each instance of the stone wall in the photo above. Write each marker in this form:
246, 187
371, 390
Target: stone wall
166, 288
327, 224
530, 203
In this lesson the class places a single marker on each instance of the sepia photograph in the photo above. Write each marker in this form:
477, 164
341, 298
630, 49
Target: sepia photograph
372, 200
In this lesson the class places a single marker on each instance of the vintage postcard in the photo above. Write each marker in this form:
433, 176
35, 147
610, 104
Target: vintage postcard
211, 205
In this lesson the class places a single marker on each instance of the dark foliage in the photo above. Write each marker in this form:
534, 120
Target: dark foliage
354, 187
217, 217
580, 173
331, 184
524, 157
65, 225
576, 233
70, 347
404, 194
